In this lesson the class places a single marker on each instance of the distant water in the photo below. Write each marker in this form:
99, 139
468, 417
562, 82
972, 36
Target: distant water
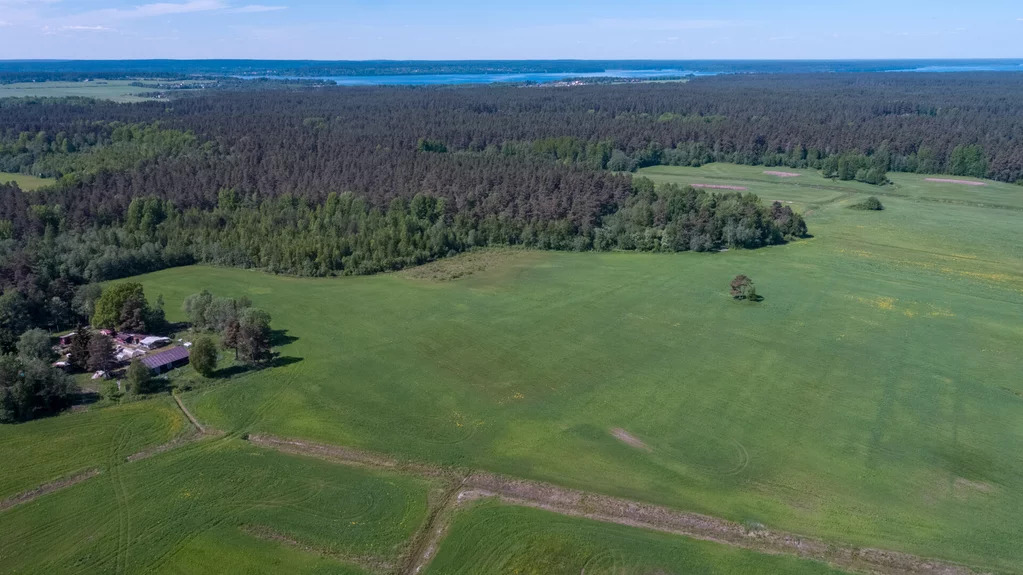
484, 78
707, 69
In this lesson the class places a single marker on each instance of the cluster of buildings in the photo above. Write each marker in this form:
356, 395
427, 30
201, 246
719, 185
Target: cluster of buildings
131, 346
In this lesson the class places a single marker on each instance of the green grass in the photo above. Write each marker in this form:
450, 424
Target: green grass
46, 449
873, 398
115, 90
490, 538
196, 510
25, 182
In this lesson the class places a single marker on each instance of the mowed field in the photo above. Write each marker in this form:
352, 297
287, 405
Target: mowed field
872, 399
25, 182
218, 506
45, 450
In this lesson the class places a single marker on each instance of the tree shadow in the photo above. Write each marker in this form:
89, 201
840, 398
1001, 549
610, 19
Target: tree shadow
240, 369
280, 361
233, 371
84, 397
280, 338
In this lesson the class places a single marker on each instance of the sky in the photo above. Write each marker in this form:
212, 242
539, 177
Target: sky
523, 29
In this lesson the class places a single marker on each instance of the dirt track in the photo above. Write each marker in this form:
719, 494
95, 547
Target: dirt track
615, 510
47, 488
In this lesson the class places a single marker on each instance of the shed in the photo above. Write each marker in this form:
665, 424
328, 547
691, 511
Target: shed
166, 360
65, 340
153, 341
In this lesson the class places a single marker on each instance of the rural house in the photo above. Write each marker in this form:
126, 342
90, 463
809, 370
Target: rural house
166, 360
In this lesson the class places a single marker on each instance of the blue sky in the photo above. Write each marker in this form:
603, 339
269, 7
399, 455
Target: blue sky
525, 29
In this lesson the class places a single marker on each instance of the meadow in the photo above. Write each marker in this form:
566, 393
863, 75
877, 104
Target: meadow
26, 182
218, 506
489, 537
115, 90
872, 398
45, 450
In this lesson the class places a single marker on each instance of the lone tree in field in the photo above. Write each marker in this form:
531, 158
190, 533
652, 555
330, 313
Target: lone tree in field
743, 288
871, 203
254, 337
203, 356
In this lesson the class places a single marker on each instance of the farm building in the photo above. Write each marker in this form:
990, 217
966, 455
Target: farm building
166, 360
65, 340
153, 342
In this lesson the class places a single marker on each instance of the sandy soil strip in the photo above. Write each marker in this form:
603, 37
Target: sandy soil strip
634, 514
784, 174
718, 187
947, 181
629, 439
47, 489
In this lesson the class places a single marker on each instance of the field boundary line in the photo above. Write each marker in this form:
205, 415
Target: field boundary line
47, 488
427, 541
188, 414
609, 509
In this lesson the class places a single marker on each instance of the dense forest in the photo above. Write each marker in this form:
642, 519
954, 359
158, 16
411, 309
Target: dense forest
322, 181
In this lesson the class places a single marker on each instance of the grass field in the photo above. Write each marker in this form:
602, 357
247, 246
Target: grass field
493, 538
217, 506
44, 450
115, 90
27, 183
873, 398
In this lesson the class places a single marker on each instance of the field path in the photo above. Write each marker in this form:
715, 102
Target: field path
615, 510
188, 414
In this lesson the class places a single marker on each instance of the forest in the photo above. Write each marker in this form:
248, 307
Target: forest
325, 181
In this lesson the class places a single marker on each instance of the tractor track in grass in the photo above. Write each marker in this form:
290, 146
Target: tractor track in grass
608, 509
113, 462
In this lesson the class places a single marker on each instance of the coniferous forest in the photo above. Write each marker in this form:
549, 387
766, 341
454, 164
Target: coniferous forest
324, 181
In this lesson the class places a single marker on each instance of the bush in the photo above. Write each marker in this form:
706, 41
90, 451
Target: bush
742, 288
139, 378
203, 356
870, 203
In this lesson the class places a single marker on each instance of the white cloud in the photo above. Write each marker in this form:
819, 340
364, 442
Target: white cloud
164, 9
80, 28
255, 9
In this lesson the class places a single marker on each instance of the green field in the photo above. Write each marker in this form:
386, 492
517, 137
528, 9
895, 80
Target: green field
493, 538
120, 91
217, 506
873, 398
44, 450
25, 182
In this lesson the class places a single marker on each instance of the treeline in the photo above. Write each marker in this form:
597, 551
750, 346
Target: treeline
490, 148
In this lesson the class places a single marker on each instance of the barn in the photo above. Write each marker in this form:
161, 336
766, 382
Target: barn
166, 360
